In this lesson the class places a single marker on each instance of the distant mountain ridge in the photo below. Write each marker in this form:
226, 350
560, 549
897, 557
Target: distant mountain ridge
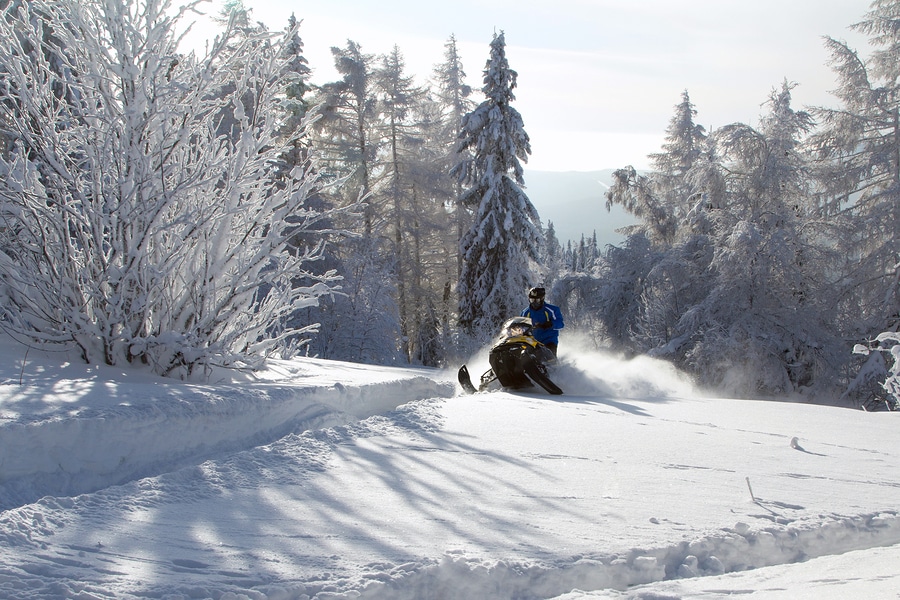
575, 202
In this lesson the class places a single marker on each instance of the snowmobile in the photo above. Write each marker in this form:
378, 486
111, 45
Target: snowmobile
517, 361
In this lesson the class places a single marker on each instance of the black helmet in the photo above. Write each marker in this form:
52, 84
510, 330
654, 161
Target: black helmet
536, 293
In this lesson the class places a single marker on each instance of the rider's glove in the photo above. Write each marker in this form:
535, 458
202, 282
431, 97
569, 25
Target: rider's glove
544, 325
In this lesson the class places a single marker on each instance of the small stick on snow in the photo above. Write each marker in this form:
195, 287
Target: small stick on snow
24, 359
752, 497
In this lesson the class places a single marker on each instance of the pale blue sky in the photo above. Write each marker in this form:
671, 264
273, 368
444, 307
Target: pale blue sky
598, 79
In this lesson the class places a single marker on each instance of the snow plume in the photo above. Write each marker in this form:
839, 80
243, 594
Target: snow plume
584, 370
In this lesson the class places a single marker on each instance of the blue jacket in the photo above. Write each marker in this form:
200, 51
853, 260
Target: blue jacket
546, 313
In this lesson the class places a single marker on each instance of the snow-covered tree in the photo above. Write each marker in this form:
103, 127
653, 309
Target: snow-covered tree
346, 140
133, 228
759, 328
663, 199
553, 258
453, 95
858, 147
295, 103
730, 288
887, 394
361, 323
398, 98
500, 250
683, 146
617, 301
668, 276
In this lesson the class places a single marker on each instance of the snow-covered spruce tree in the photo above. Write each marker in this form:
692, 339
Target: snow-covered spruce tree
131, 227
500, 250
553, 258
295, 103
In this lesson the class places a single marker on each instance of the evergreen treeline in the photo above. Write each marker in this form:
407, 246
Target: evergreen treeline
187, 211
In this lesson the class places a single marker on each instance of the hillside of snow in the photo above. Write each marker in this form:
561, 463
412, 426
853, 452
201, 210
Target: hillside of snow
320, 479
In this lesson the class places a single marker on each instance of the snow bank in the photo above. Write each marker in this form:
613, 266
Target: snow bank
158, 425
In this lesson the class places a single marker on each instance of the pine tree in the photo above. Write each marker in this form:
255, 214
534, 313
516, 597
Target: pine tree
295, 105
362, 323
348, 140
682, 148
663, 199
553, 260
501, 248
859, 150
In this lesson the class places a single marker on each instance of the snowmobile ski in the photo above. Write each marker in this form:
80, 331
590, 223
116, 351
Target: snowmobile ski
537, 372
465, 380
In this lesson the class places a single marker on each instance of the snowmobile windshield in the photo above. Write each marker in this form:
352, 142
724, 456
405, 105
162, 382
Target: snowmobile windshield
517, 329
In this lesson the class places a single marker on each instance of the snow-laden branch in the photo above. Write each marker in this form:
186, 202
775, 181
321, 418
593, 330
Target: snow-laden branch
139, 212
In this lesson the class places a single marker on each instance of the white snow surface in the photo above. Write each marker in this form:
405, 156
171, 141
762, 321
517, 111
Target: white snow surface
323, 479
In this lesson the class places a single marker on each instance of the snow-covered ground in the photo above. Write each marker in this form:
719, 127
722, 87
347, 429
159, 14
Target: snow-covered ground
320, 479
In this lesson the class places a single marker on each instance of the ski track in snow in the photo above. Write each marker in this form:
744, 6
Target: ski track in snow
74, 518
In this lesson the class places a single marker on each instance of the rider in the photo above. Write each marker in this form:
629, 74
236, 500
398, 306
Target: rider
547, 318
